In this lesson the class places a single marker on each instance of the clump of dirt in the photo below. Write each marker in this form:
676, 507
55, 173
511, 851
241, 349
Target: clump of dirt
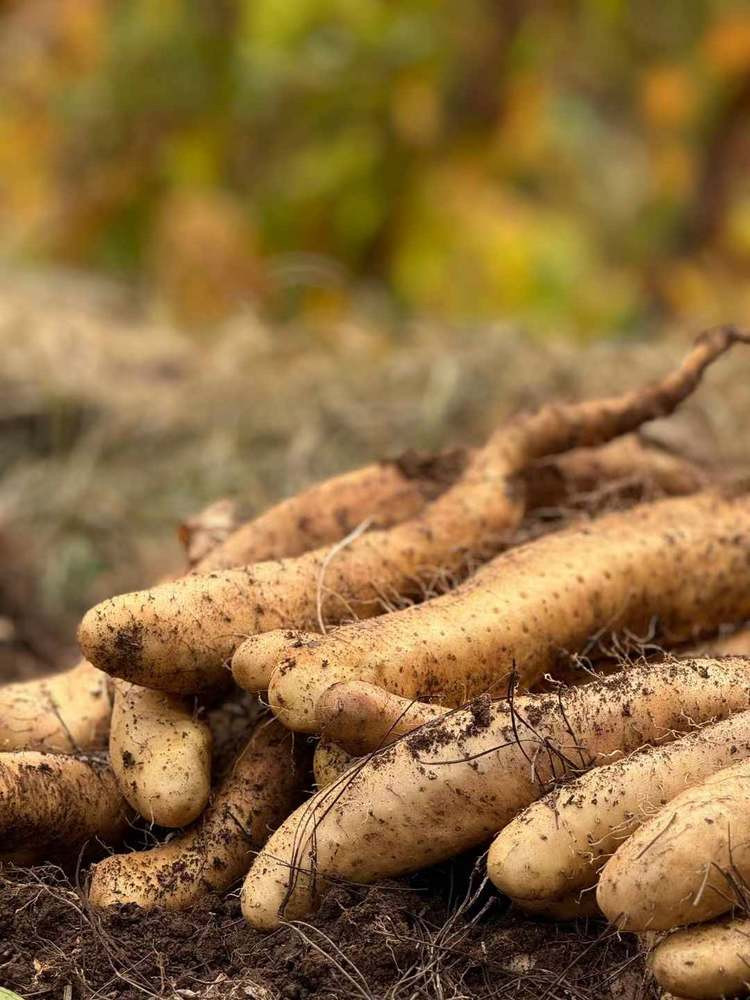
441, 933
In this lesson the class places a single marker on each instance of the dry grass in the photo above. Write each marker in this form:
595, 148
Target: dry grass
114, 427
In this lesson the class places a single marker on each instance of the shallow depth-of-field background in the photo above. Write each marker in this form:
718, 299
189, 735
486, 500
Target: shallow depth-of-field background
246, 244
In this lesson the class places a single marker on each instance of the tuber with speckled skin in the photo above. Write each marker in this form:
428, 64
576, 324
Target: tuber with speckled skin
688, 863
706, 962
683, 563
263, 785
160, 751
559, 844
51, 804
177, 636
64, 712
453, 783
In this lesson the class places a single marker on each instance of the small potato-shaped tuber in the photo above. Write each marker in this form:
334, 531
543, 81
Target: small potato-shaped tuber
574, 907
161, 754
707, 962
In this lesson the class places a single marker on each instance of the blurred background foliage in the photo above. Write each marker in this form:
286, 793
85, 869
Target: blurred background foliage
581, 167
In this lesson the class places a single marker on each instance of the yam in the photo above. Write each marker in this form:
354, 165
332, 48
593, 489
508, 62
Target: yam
160, 751
558, 845
708, 962
681, 563
688, 863
384, 493
453, 783
51, 804
330, 761
362, 717
176, 637
260, 790
66, 712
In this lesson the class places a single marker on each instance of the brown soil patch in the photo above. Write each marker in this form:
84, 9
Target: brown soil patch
439, 934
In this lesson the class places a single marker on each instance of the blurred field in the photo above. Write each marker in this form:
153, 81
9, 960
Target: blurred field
113, 428
581, 167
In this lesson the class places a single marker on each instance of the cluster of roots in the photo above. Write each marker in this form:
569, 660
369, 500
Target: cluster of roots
553, 624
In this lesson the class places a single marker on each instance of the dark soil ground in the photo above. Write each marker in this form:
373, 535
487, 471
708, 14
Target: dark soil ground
439, 935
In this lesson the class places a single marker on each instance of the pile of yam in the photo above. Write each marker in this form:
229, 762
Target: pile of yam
537, 648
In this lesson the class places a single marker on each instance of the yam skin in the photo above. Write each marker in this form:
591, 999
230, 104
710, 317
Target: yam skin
66, 712
583, 479
363, 717
684, 562
389, 492
161, 755
557, 845
626, 469
264, 785
452, 784
176, 637
706, 962
329, 763
687, 864
51, 804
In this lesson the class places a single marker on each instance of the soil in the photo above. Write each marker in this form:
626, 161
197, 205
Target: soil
440, 934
